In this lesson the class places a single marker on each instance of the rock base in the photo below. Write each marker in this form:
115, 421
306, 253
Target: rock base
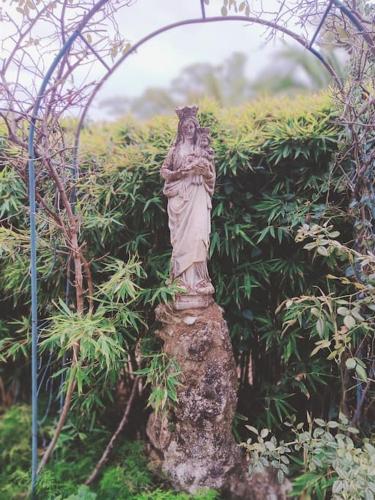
193, 444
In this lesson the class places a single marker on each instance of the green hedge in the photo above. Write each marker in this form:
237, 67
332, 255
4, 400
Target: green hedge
273, 173
273, 162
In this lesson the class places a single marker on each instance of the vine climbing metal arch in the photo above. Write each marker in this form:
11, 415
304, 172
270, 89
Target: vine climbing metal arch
63, 53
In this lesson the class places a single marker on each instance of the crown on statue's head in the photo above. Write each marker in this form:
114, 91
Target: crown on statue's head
187, 112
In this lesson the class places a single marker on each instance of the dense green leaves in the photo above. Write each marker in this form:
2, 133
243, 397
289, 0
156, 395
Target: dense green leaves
292, 306
326, 452
273, 174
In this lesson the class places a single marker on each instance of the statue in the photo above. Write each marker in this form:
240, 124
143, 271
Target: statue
191, 443
189, 174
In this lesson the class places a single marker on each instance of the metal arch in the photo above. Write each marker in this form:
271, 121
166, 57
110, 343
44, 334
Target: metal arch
203, 9
320, 25
31, 152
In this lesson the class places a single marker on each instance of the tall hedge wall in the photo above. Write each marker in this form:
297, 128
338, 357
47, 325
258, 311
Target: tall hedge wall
273, 164
273, 161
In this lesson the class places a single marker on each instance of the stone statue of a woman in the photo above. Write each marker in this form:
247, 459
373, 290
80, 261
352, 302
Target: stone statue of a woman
189, 174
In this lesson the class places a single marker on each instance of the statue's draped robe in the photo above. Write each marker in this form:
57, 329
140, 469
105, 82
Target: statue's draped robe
189, 211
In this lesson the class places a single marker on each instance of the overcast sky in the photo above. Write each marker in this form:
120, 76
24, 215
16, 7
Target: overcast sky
161, 59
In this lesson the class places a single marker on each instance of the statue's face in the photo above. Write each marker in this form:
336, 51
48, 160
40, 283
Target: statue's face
188, 129
205, 141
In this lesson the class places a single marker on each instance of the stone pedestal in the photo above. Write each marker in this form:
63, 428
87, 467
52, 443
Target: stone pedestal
193, 444
190, 301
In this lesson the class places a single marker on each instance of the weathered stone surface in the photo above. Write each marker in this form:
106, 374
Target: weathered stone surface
194, 442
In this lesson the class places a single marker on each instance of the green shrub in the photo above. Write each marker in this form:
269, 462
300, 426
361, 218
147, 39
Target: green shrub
15, 454
326, 458
129, 476
275, 173
83, 493
170, 495
273, 161
15, 438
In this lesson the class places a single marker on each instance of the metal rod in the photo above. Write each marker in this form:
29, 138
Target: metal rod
98, 56
321, 23
33, 264
203, 9
357, 23
34, 316
33, 243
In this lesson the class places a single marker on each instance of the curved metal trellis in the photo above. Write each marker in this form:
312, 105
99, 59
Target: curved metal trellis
64, 51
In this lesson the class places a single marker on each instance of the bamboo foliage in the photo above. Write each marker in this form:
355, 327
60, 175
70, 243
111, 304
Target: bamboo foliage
282, 262
275, 172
